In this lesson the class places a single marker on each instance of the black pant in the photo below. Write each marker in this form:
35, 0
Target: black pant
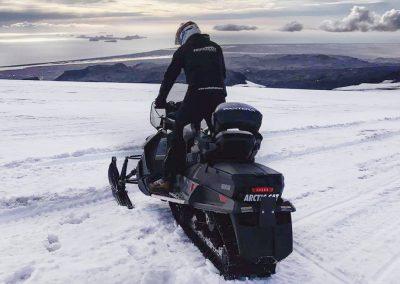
194, 109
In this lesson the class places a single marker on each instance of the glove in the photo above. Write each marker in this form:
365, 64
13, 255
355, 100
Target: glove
160, 102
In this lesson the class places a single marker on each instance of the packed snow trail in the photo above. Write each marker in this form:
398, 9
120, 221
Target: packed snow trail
339, 152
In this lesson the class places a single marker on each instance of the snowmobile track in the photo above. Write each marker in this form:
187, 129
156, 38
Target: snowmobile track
236, 270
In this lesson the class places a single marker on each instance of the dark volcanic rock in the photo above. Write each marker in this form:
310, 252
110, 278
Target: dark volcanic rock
98, 73
323, 79
121, 73
32, 78
234, 78
294, 61
139, 73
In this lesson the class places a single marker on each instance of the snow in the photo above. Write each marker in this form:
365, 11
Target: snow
250, 84
113, 59
339, 152
385, 85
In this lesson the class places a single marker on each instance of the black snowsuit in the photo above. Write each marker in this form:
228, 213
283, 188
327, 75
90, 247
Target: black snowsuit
204, 66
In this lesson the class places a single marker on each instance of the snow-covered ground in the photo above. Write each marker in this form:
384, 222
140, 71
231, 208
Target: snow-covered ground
339, 151
385, 85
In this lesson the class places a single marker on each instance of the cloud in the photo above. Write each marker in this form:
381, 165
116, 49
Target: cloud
80, 1
27, 25
293, 26
234, 28
109, 37
21, 16
32, 15
390, 21
38, 25
362, 19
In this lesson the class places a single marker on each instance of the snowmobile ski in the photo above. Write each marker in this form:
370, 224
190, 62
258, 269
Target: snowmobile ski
118, 181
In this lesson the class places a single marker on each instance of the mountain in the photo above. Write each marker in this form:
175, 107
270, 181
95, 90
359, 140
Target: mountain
295, 62
322, 79
387, 60
298, 71
266, 65
138, 73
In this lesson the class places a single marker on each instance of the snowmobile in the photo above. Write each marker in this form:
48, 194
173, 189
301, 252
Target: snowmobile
230, 206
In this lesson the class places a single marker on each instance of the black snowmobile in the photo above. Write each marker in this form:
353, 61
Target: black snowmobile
228, 205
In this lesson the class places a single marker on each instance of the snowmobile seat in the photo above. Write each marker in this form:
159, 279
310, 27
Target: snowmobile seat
235, 145
234, 134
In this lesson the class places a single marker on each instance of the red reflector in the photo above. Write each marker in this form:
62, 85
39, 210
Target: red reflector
262, 189
223, 198
193, 186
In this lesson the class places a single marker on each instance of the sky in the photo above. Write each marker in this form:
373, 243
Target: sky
235, 20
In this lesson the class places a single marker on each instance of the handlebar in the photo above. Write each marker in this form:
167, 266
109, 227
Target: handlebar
170, 106
163, 119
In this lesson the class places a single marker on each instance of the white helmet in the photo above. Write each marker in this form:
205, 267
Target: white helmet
185, 31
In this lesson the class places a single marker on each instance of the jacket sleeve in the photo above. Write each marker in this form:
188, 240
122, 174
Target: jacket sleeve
173, 71
223, 67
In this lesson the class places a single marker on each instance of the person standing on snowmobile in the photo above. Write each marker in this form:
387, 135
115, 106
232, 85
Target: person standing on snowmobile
204, 66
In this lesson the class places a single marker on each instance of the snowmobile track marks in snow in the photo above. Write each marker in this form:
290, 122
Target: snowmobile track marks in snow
386, 268
86, 155
341, 203
57, 204
322, 149
306, 255
310, 128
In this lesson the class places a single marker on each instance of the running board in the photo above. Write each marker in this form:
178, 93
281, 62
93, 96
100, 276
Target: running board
174, 198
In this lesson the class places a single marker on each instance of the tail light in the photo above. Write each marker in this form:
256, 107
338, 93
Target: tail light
262, 189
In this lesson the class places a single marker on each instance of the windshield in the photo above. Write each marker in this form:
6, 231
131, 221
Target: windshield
156, 116
176, 94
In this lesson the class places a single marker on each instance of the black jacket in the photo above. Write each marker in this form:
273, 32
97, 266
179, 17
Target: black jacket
204, 66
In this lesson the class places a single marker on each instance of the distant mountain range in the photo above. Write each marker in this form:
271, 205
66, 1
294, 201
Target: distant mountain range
287, 71
300, 71
138, 73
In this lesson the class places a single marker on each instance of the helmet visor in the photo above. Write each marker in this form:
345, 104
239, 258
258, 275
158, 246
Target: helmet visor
182, 28
178, 35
